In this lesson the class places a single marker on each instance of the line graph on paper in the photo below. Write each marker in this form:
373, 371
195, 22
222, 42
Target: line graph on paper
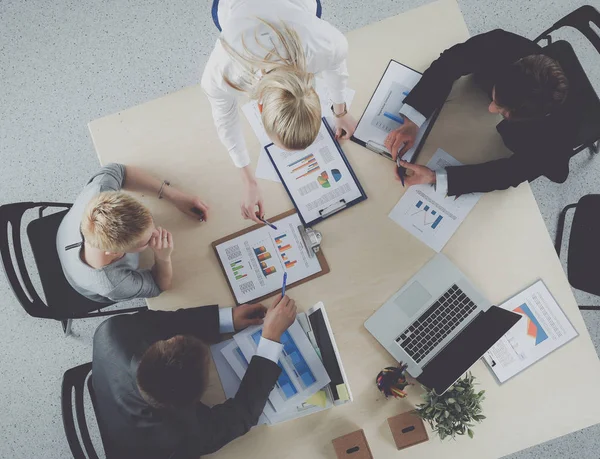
424, 216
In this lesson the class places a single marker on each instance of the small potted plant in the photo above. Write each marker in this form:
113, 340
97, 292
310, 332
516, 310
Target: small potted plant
454, 412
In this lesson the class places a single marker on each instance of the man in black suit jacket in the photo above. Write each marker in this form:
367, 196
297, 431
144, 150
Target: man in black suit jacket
150, 370
527, 88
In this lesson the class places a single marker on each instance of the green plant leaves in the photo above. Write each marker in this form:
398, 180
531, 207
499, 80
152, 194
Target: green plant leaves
454, 412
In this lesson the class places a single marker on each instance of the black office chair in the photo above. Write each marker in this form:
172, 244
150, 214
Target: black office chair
584, 245
74, 381
62, 301
581, 92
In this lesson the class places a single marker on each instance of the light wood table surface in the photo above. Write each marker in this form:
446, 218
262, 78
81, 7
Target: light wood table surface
503, 247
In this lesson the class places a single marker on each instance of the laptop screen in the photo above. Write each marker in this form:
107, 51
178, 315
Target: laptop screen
466, 348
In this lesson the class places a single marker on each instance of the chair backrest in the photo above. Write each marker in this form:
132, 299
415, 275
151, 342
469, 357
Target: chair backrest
60, 296
74, 381
62, 301
579, 19
583, 100
11, 216
582, 95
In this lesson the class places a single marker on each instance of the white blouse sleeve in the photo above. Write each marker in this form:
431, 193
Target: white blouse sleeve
224, 103
336, 74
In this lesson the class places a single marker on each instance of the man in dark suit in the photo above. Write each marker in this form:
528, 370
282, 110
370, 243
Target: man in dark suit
150, 370
528, 89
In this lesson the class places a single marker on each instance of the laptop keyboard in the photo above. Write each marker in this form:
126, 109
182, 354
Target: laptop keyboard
444, 316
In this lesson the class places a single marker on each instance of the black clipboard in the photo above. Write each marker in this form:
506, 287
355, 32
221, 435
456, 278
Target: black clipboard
385, 153
329, 210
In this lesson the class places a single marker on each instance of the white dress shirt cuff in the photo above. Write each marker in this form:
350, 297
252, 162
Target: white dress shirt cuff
441, 182
226, 320
269, 349
413, 115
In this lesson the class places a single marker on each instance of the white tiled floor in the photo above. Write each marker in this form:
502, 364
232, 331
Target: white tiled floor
66, 62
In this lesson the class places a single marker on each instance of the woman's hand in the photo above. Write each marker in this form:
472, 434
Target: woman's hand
250, 201
345, 127
252, 197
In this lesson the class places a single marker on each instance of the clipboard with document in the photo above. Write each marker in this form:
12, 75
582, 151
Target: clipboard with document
255, 259
319, 180
382, 114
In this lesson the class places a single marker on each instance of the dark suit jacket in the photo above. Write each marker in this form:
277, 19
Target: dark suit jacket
540, 146
131, 427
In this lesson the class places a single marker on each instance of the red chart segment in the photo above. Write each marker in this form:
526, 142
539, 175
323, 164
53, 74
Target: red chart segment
284, 246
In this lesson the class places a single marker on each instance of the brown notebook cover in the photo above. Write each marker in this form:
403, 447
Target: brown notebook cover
320, 257
352, 446
407, 429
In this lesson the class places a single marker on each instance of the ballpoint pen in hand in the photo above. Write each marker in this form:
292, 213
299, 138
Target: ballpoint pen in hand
267, 223
401, 170
284, 284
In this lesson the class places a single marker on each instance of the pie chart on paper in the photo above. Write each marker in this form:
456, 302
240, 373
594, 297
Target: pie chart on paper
323, 179
337, 175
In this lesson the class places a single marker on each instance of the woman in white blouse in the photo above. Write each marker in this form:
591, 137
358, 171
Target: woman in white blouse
271, 50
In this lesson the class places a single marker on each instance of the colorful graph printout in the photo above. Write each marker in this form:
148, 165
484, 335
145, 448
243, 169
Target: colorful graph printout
304, 166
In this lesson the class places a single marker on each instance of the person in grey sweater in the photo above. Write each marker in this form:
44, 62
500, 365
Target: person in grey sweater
102, 235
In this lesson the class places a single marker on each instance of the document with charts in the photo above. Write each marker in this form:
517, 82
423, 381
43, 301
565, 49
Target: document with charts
374, 126
232, 365
302, 372
430, 216
255, 261
264, 167
543, 328
319, 180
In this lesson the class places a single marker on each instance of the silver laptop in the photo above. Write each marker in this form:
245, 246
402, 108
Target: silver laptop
439, 324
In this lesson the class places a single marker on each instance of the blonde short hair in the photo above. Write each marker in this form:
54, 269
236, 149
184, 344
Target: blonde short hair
291, 109
114, 221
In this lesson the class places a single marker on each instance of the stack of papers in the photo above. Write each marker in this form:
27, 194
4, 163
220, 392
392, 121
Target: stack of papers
303, 386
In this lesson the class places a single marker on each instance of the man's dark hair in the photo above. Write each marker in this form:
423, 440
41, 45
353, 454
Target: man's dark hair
531, 87
174, 373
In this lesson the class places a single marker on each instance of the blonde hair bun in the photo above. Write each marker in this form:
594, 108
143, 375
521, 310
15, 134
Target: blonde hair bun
279, 79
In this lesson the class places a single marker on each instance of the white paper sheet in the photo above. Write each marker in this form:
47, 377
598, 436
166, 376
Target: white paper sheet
430, 216
542, 329
229, 379
264, 167
255, 262
395, 85
317, 179
303, 373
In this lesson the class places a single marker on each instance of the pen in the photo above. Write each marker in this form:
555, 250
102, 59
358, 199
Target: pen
393, 117
405, 93
267, 223
283, 286
401, 170
198, 212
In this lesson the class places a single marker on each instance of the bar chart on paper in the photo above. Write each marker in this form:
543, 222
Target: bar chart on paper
296, 361
284, 248
426, 215
304, 166
239, 270
263, 258
431, 216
